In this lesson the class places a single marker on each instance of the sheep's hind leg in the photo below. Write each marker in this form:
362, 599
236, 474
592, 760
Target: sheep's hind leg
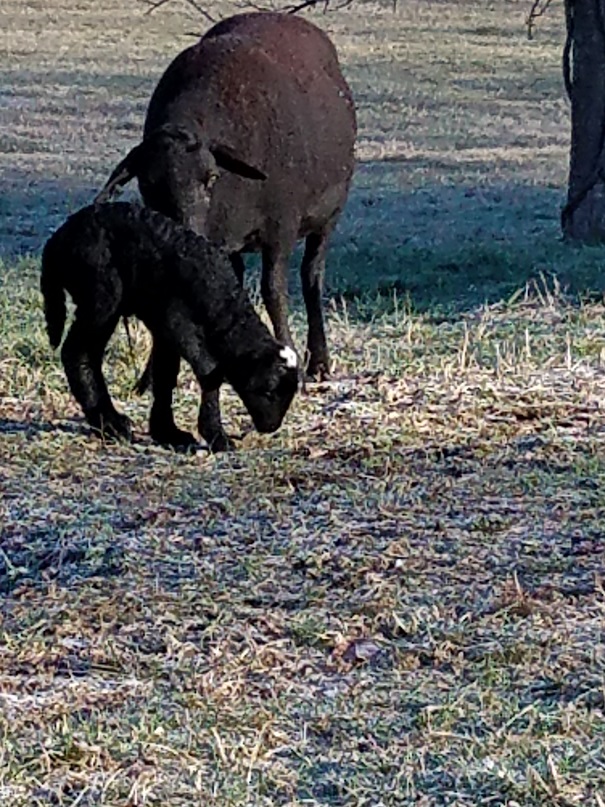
82, 356
312, 275
165, 363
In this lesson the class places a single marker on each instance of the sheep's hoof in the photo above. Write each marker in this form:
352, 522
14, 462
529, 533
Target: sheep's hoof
320, 373
174, 438
318, 367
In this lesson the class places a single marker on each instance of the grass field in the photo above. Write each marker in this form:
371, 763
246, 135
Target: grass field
398, 598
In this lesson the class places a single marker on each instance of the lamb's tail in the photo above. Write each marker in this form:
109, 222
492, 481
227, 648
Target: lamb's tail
53, 292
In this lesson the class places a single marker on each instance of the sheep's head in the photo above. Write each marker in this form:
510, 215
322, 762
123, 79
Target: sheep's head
176, 171
268, 385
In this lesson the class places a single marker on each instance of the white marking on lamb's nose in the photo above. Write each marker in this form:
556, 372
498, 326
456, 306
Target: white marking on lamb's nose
289, 356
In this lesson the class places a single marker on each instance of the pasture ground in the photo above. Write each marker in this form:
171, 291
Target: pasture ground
398, 598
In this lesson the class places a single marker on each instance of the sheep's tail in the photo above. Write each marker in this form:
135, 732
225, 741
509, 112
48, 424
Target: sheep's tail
53, 292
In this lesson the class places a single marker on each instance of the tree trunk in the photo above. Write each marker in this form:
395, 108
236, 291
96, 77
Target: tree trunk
583, 217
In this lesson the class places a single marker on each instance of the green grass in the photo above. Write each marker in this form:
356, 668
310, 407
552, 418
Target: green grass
468, 276
396, 599
398, 593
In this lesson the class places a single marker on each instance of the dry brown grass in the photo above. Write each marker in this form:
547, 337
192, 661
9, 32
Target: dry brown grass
398, 598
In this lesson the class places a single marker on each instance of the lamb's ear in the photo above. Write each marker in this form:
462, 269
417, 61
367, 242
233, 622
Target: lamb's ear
122, 173
225, 158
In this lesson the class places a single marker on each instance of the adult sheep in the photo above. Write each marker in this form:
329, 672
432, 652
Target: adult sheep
118, 260
259, 93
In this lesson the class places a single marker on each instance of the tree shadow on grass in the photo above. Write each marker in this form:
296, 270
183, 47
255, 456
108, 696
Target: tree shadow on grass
448, 249
32, 207
442, 247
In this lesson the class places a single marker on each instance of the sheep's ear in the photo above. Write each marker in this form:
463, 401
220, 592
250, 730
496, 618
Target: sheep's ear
121, 174
226, 159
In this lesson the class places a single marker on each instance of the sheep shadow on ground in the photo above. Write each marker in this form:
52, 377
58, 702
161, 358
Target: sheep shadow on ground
79, 428
34, 428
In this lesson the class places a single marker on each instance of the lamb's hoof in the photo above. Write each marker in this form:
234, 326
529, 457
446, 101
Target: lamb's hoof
220, 442
111, 426
174, 438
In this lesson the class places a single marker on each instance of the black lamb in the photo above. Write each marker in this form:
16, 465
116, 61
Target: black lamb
118, 260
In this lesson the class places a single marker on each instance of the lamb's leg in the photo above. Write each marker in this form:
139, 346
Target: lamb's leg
165, 363
209, 421
239, 267
165, 367
274, 287
312, 275
82, 356
192, 348
210, 424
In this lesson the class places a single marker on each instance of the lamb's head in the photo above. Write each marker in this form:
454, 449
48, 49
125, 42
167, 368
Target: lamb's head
267, 383
176, 170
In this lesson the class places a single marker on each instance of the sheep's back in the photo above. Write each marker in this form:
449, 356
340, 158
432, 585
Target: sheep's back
270, 87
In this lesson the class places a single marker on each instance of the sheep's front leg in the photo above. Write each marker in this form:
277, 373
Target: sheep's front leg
312, 274
82, 356
165, 363
274, 287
